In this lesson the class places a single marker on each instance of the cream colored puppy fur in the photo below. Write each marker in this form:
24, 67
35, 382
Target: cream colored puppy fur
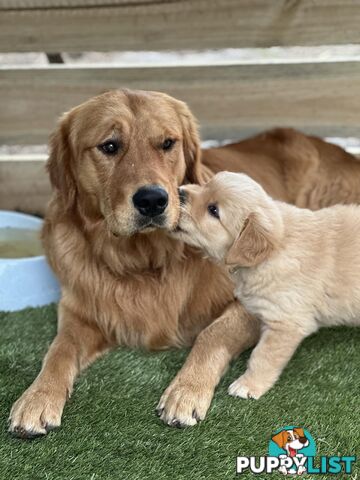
297, 270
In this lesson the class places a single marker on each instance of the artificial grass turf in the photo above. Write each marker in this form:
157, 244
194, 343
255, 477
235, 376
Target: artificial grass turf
110, 430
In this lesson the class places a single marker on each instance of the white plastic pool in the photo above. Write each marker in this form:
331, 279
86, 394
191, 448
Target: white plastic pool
25, 282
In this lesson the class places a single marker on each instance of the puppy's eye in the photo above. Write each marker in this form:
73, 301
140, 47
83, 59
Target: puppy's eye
168, 144
213, 209
110, 147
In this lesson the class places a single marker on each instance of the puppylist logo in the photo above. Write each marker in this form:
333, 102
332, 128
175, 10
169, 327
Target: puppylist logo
292, 451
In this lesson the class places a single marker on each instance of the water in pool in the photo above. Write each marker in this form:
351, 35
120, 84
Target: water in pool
19, 242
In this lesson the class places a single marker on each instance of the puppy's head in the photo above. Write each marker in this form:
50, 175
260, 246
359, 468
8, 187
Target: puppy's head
231, 218
121, 156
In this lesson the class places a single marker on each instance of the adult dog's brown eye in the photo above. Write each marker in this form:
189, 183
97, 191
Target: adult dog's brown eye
168, 144
110, 147
213, 209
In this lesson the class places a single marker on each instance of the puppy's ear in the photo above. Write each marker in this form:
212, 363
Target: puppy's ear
252, 246
300, 432
280, 439
59, 164
191, 144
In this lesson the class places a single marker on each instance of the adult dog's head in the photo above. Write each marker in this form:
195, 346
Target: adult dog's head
122, 155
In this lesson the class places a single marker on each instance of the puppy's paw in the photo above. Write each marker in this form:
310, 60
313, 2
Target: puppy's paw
35, 413
184, 403
245, 387
301, 470
283, 470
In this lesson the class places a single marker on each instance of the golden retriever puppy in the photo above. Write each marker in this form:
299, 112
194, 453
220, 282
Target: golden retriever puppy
295, 269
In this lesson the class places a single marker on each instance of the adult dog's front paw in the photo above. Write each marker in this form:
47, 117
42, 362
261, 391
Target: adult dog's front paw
36, 412
247, 387
184, 403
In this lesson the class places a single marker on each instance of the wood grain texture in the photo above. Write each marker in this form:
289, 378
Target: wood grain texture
229, 101
24, 185
93, 25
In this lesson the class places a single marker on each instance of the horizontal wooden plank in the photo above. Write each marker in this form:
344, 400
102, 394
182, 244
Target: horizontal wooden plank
93, 25
24, 185
230, 101
55, 4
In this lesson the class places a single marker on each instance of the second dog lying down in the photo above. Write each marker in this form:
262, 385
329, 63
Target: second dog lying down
295, 269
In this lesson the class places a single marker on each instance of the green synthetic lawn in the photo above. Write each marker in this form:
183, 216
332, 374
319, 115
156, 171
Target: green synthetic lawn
110, 431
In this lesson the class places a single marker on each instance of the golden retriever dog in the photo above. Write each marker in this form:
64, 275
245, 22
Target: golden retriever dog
294, 269
115, 165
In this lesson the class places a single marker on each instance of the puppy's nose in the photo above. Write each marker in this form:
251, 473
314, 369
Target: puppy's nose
150, 201
303, 440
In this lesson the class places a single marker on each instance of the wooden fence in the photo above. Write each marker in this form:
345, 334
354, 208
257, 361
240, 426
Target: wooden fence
230, 100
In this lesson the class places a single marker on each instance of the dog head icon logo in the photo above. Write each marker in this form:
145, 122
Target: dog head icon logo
291, 440
292, 445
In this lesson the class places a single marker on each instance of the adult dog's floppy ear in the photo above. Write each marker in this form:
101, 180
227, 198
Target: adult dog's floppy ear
280, 438
59, 164
252, 246
191, 144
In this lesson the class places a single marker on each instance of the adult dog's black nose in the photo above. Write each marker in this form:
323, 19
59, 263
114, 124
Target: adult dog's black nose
151, 201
